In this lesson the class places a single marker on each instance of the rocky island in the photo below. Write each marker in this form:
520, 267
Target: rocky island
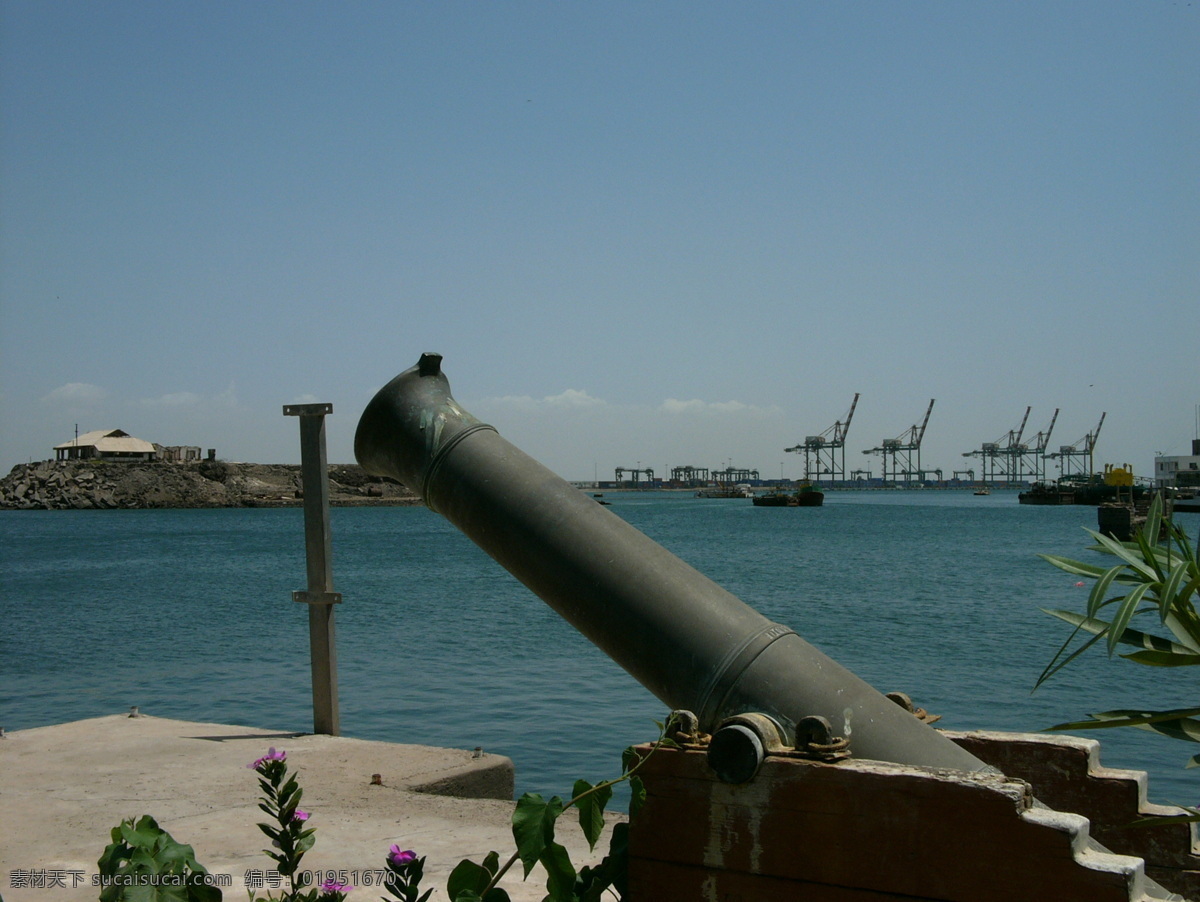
104, 485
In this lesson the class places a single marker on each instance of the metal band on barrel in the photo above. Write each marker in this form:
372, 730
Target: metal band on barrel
440, 455
733, 666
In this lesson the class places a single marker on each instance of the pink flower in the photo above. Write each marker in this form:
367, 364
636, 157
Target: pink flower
332, 886
396, 855
271, 755
300, 815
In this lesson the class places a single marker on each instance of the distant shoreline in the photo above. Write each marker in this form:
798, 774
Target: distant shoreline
142, 485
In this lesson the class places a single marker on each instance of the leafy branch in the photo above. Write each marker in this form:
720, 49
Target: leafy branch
140, 853
1155, 581
533, 826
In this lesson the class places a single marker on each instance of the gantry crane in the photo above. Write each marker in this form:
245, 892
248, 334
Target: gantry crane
636, 473
899, 452
1001, 459
732, 475
821, 452
1071, 457
690, 476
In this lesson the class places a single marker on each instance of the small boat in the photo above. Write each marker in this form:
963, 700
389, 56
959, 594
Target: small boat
741, 490
806, 496
983, 491
774, 499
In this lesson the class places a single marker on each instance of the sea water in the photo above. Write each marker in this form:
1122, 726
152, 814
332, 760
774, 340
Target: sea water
188, 614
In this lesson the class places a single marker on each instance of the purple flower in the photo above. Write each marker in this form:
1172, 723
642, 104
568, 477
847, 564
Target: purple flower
396, 855
300, 815
271, 755
332, 886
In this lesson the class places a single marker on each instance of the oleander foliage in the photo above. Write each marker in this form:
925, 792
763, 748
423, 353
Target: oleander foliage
1147, 600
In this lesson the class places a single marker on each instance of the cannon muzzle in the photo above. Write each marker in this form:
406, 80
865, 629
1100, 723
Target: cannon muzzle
691, 643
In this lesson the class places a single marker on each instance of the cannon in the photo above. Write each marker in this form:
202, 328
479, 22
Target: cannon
754, 684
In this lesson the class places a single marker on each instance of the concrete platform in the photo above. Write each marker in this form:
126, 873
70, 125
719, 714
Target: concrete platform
63, 788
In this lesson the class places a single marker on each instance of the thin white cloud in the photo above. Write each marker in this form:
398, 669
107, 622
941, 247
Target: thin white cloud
695, 405
76, 393
223, 400
571, 398
174, 399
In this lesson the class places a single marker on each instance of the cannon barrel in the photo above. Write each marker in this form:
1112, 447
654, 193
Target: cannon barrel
690, 642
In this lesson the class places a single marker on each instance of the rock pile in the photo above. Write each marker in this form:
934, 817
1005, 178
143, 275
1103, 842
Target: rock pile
45, 486
101, 485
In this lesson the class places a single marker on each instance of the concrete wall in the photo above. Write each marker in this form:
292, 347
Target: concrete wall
865, 831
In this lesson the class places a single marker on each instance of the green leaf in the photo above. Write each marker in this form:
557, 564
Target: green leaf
205, 893
154, 853
590, 800
143, 834
1076, 568
1163, 658
560, 881
631, 759
1124, 613
1152, 642
467, 880
114, 853
1178, 723
1127, 554
618, 858
1153, 525
533, 827
1185, 628
1081, 623
491, 862
272, 832
1177, 594
616, 863
1150, 554
637, 795
1184, 728
1096, 598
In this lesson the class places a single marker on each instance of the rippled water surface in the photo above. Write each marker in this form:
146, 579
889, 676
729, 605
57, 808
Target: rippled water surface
188, 614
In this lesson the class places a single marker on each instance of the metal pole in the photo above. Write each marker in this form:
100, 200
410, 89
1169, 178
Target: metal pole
320, 597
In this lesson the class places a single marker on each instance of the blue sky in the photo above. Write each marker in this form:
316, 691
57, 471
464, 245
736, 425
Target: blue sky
655, 234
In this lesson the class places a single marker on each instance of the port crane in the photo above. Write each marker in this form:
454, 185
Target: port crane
1001, 459
1071, 458
689, 475
636, 473
826, 453
898, 453
1033, 455
733, 475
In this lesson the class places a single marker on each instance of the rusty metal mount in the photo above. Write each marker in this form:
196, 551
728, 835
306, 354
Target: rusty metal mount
904, 701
